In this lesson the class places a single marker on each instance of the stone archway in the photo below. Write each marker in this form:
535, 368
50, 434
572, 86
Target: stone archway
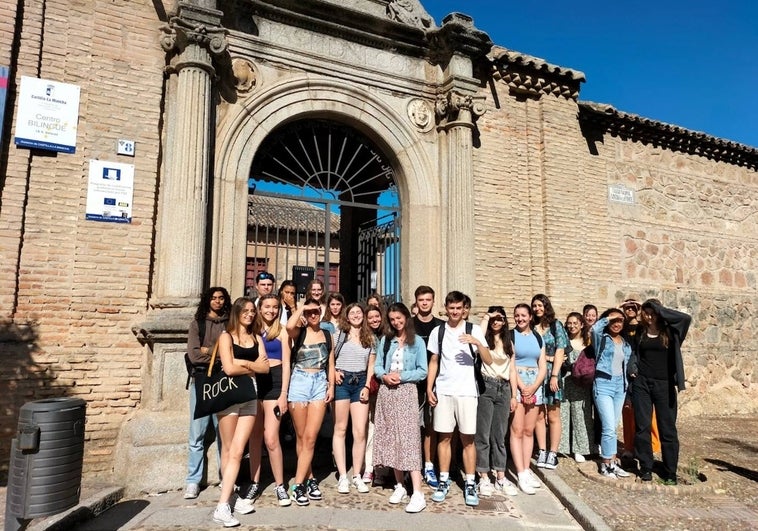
248, 123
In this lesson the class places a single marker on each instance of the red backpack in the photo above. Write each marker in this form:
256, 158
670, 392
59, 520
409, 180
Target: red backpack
583, 369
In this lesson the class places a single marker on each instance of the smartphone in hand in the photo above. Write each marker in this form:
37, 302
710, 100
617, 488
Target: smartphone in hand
277, 412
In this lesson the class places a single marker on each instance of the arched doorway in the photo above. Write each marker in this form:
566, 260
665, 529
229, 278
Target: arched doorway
323, 203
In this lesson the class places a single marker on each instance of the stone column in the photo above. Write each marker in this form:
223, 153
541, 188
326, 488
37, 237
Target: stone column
458, 112
194, 36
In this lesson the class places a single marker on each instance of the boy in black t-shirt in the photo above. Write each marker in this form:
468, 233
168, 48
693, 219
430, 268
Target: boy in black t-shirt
424, 322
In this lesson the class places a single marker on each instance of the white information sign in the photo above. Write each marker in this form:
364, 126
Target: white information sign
110, 191
48, 115
618, 193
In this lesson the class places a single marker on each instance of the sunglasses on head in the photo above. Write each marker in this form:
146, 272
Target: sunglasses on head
264, 276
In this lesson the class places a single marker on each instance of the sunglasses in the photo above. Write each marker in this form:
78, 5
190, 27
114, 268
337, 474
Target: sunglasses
308, 313
497, 320
264, 276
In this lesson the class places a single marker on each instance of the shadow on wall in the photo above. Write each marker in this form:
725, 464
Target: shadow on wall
22, 380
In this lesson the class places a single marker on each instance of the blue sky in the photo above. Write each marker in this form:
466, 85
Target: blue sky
689, 63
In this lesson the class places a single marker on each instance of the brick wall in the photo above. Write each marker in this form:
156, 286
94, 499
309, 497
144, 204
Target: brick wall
80, 284
544, 224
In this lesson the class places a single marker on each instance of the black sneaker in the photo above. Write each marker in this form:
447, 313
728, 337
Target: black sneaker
646, 476
298, 494
314, 492
551, 463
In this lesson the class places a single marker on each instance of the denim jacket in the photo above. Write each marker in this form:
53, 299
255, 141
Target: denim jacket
414, 360
604, 359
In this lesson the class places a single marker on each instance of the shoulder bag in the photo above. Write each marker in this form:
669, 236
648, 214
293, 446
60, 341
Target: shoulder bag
215, 391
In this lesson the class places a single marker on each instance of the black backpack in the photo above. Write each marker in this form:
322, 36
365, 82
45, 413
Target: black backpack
187, 362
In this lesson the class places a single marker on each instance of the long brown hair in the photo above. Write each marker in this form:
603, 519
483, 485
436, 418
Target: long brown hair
663, 327
234, 316
585, 331
489, 335
367, 337
410, 329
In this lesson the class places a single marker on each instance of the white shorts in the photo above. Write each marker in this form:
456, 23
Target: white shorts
452, 410
244, 409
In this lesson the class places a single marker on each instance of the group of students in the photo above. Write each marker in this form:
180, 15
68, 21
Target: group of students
408, 381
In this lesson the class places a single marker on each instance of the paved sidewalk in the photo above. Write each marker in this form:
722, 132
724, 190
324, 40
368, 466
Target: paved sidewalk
338, 511
342, 511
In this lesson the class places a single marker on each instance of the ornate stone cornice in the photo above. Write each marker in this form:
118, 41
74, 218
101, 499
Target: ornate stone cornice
457, 35
195, 25
345, 23
633, 127
456, 106
532, 77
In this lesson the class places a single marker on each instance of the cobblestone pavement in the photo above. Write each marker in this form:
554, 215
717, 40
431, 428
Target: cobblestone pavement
718, 482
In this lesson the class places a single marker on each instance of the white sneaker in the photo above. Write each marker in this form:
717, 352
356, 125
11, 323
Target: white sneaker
223, 515
417, 503
244, 506
507, 487
620, 472
360, 485
399, 494
485, 487
534, 481
343, 485
579, 458
191, 491
607, 471
524, 483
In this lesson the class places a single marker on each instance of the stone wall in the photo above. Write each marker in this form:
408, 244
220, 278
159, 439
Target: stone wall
73, 288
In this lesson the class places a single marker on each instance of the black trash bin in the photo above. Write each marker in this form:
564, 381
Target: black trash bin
45, 472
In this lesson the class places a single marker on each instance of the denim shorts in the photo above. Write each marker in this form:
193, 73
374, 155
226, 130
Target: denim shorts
351, 386
307, 386
528, 376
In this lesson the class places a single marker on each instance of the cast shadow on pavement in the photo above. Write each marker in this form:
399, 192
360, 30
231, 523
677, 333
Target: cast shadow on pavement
739, 470
117, 516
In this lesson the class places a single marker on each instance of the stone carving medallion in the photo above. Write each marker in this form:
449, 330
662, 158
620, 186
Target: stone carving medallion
421, 114
245, 75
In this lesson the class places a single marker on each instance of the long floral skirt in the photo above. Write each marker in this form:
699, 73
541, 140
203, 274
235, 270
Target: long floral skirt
397, 436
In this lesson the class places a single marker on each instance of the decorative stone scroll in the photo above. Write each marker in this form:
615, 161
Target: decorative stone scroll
457, 106
181, 32
410, 12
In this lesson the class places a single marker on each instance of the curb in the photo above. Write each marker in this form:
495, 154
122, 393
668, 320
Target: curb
97, 503
583, 513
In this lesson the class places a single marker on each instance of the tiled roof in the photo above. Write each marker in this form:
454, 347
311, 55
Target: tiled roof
526, 74
288, 214
634, 127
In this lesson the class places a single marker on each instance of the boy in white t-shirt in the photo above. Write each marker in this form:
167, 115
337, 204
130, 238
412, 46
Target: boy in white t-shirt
452, 390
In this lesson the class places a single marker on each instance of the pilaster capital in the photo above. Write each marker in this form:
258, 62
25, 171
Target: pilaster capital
456, 106
195, 26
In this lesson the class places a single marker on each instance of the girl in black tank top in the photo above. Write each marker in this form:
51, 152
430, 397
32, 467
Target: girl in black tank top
241, 353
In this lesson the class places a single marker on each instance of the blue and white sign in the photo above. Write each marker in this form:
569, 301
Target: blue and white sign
110, 191
4, 72
48, 115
